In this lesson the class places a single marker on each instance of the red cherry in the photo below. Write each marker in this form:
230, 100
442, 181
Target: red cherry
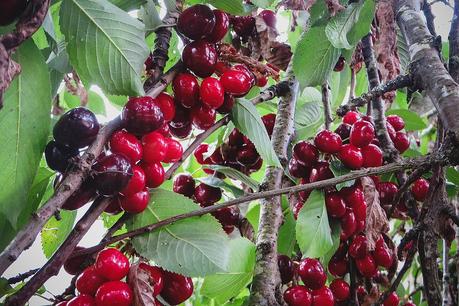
268, 121
227, 216
184, 184
262, 81
186, 90
221, 67
243, 25
236, 82
269, 17
323, 297
298, 296
135, 203
359, 247
82, 300
360, 211
200, 57
154, 147
387, 192
367, 266
392, 300
340, 289
167, 105
81, 197
177, 288
383, 257
142, 115
227, 105
203, 117
362, 133
401, 142
391, 131
372, 156
323, 172
396, 121
156, 277
164, 130
212, 93
348, 224
297, 207
249, 74
199, 154
154, 173
111, 173
353, 196
125, 143
221, 26
114, 293
73, 264
236, 138
351, 156
207, 195
136, 183
335, 205
181, 132
111, 264
343, 130
339, 66
312, 273
298, 170
351, 117
328, 142
196, 22
306, 153
286, 268
338, 266
174, 150
88, 281
420, 189
247, 156
114, 207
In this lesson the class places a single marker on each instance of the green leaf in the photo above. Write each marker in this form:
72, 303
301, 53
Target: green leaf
339, 26
96, 103
128, 5
452, 175
339, 83
412, 120
150, 16
248, 121
335, 233
196, 246
403, 52
106, 46
286, 241
216, 182
224, 286
25, 122
314, 57
235, 175
263, 3
234, 7
363, 26
313, 232
308, 113
338, 170
55, 232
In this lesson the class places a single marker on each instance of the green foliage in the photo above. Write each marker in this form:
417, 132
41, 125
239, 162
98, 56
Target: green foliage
308, 113
216, 182
106, 46
55, 231
232, 6
412, 120
338, 169
196, 246
236, 175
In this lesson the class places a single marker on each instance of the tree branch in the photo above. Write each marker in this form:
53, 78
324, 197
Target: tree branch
22, 276
453, 65
326, 103
53, 265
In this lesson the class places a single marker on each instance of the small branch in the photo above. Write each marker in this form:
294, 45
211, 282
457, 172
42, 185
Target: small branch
352, 85
22, 276
400, 81
53, 265
430, 17
453, 65
326, 103
155, 89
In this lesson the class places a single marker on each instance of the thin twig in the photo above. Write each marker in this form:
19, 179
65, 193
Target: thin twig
22, 276
327, 106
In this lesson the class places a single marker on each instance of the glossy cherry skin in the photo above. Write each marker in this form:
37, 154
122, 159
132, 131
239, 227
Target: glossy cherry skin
73, 264
353, 196
154, 147
186, 89
81, 197
392, 300
82, 300
127, 144
184, 184
372, 156
322, 297
76, 128
269, 17
142, 115
227, 105
136, 183
199, 154
387, 192
297, 170
261, 81
154, 173
336, 207
328, 142
196, 22
58, 156
212, 93
323, 172
306, 153
362, 133
249, 74
200, 57
343, 130
114, 293
156, 277
383, 257
348, 225
268, 121
112, 173
135, 203
396, 121
359, 247
236, 82
367, 266
203, 117
340, 289
401, 142
312, 273
351, 156
174, 150
247, 156
164, 130
391, 131
339, 66
177, 288
207, 195
286, 268
420, 189
338, 266
10, 10
243, 25
167, 105
181, 132
221, 26
111, 264
360, 211
298, 296
89, 281
351, 117
227, 216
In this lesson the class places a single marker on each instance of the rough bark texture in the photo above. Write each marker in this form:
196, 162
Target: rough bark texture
266, 282
427, 68
454, 44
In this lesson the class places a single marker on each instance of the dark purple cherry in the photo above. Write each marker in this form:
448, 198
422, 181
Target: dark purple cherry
58, 156
184, 184
112, 173
286, 268
76, 128
243, 25
142, 115
196, 22
221, 26
82, 196
200, 57
10, 10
